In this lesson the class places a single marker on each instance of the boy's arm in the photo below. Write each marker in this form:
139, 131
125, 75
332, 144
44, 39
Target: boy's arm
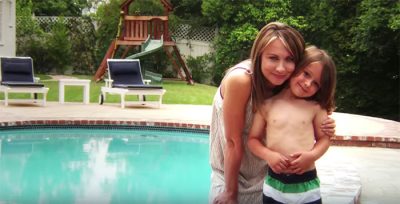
322, 139
305, 159
276, 161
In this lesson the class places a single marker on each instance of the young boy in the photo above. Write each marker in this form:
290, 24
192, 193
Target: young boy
287, 124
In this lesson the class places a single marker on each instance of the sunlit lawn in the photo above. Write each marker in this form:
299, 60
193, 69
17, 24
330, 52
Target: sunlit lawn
178, 92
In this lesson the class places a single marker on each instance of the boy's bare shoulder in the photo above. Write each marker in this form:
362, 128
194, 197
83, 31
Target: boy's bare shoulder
313, 104
319, 111
318, 107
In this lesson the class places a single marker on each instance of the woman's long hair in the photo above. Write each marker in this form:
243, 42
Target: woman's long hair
293, 41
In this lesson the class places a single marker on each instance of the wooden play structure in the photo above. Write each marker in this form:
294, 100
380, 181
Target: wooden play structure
151, 34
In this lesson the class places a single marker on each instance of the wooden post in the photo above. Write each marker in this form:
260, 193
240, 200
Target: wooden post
173, 62
184, 66
103, 66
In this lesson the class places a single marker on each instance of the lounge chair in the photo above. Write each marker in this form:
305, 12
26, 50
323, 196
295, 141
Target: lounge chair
17, 77
125, 78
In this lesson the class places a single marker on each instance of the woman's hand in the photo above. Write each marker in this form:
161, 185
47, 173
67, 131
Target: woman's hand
225, 198
328, 127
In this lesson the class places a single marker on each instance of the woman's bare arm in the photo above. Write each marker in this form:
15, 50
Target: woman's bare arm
328, 126
236, 92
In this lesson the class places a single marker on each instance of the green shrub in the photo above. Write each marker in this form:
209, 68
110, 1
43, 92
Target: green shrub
202, 68
83, 40
29, 36
59, 46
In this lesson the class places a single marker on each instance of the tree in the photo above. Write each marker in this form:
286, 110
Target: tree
239, 22
29, 35
59, 48
107, 18
363, 38
190, 10
52, 50
57, 7
376, 47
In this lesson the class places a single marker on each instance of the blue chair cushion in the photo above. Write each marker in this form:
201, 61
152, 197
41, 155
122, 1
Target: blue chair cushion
126, 72
21, 84
133, 86
17, 70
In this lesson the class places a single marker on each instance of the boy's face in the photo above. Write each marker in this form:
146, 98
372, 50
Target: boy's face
308, 81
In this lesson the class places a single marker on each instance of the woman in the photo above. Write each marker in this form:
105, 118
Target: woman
237, 175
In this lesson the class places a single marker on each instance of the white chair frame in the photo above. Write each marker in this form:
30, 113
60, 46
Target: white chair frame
141, 93
21, 89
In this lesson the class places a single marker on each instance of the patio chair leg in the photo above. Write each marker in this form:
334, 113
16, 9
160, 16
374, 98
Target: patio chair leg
142, 97
101, 99
122, 100
6, 98
160, 101
44, 98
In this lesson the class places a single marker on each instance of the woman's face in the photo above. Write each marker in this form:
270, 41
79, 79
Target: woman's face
277, 63
308, 81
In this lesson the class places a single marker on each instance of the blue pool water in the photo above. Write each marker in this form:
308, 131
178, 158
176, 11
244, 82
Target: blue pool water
103, 166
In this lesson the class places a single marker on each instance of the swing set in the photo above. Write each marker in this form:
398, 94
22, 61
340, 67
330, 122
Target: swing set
151, 34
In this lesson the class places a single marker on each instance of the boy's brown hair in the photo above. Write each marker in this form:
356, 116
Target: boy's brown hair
325, 95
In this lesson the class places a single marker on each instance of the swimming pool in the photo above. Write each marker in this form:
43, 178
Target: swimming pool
88, 165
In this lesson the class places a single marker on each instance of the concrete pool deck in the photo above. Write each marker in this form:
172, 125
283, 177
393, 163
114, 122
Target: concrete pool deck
368, 168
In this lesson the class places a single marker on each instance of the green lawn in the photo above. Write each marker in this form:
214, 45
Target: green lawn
178, 92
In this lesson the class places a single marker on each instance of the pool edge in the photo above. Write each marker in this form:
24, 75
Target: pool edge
338, 140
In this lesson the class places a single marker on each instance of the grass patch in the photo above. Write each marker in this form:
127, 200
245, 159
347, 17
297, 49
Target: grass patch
178, 92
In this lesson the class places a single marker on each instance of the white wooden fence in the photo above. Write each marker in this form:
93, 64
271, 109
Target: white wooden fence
191, 42
194, 42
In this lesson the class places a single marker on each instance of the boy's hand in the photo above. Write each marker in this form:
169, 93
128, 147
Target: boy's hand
301, 161
278, 162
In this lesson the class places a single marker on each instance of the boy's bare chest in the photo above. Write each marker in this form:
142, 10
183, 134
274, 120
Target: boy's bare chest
287, 114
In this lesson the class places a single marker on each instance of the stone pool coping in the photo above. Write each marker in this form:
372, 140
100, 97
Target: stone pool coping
351, 130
